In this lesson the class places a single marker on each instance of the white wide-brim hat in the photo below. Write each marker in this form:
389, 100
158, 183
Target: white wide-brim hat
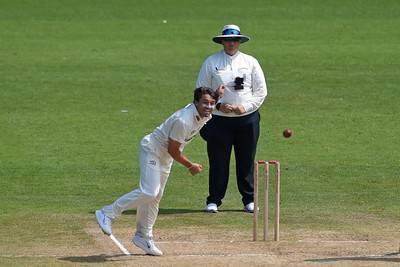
230, 31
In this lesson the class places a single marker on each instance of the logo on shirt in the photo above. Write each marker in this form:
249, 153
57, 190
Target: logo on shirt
193, 134
153, 162
188, 139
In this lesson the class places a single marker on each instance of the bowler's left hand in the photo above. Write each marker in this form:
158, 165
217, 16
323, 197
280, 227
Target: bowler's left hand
195, 169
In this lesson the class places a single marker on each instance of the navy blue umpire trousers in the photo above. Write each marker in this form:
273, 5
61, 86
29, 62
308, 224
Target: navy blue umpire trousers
222, 134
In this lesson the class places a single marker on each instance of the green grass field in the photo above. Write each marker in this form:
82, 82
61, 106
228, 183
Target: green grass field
69, 68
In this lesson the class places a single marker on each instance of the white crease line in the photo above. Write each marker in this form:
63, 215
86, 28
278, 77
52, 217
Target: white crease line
395, 255
179, 255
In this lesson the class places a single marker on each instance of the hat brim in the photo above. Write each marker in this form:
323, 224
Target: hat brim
218, 39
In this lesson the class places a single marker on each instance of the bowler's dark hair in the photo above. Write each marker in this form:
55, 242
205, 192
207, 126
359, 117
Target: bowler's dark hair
198, 92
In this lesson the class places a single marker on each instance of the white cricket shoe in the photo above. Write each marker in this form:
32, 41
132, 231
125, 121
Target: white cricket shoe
104, 222
212, 208
249, 207
147, 244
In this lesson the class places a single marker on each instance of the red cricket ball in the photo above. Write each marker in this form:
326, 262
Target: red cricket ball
287, 133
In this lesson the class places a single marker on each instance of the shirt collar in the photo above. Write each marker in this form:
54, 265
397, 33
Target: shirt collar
231, 57
196, 115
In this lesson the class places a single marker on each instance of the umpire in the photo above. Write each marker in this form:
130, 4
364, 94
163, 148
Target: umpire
236, 120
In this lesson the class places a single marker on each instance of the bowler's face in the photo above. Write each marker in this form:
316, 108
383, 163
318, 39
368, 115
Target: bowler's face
231, 45
205, 105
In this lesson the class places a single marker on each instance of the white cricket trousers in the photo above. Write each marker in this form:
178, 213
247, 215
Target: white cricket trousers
154, 172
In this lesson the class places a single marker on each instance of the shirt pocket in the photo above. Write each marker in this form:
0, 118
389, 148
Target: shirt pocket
245, 73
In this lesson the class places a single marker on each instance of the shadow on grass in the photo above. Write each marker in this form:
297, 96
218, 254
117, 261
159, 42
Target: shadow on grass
180, 211
382, 258
96, 258
169, 211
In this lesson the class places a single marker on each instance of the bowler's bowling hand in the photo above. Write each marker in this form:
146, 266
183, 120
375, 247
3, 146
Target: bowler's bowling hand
220, 91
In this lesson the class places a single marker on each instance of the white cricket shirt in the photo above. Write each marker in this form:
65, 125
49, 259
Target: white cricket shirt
220, 68
182, 126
